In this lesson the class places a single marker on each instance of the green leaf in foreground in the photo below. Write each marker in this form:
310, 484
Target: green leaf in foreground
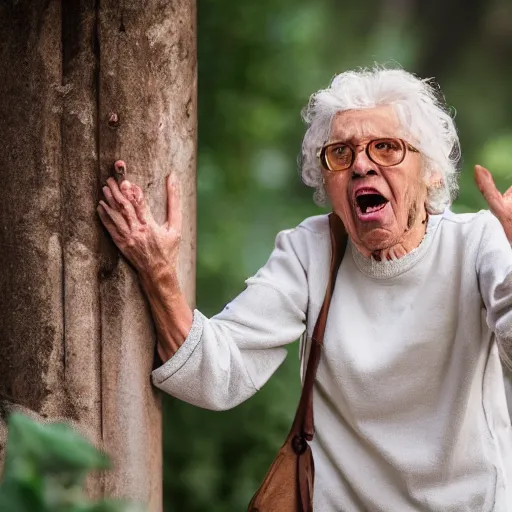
45, 468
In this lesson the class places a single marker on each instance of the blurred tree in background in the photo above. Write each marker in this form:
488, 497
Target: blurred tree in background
259, 60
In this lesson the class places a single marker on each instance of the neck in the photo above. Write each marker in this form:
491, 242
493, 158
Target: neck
408, 243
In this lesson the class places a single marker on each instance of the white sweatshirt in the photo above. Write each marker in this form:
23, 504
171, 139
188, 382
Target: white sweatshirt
409, 400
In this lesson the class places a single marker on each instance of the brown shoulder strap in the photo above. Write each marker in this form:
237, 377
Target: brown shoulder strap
303, 423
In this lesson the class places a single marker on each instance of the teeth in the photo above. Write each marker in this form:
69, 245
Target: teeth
371, 209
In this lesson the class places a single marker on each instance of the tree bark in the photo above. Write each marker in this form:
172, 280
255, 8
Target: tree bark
84, 83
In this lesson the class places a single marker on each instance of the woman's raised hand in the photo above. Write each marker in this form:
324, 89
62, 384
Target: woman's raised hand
499, 204
148, 246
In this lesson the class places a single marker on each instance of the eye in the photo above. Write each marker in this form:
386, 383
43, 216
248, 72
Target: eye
338, 156
340, 151
387, 145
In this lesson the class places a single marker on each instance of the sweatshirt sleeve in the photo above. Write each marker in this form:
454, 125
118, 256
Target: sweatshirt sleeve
494, 269
507, 371
227, 358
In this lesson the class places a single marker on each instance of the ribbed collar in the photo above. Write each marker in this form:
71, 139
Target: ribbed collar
391, 268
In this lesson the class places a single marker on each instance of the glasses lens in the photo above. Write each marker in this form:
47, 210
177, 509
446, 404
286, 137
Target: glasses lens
386, 152
338, 157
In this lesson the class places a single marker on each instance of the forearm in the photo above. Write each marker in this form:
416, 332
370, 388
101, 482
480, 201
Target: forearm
227, 358
171, 313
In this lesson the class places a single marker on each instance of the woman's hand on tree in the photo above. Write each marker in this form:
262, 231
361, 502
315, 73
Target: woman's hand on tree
148, 246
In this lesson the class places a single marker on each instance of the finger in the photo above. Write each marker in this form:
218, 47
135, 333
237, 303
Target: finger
508, 195
120, 170
108, 223
134, 194
140, 206
117, 194
138, 194
174, 216
105, 219
125, 207
110, 199
117, 219
488, 189
126, 189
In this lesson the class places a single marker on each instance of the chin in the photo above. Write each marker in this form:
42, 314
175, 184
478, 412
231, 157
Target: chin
377, 239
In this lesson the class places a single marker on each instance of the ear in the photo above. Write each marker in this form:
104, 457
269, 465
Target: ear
434, 185
435, 180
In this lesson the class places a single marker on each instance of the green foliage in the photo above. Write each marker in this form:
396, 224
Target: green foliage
45, 469
259, 60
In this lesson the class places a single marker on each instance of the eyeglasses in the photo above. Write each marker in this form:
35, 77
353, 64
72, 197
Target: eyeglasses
339, 156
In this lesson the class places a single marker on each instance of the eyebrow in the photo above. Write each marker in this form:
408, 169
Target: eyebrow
356, 140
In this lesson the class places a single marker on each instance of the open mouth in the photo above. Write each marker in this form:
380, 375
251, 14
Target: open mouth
370, 203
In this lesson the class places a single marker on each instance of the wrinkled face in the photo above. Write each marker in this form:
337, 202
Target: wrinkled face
380, 206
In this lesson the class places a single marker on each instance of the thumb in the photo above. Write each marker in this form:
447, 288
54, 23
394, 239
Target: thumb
492, 195
173, 204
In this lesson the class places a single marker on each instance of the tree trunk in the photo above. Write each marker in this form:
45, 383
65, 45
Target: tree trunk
84, 83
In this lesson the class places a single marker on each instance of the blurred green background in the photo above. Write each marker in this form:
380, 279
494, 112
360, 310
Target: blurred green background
259, 60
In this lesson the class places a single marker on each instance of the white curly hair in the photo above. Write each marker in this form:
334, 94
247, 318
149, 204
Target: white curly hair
422, 113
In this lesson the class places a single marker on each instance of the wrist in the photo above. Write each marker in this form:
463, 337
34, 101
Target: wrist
162, 277
155, 271
164, 350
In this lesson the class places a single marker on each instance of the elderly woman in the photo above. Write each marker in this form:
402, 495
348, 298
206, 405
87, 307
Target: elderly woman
409, 399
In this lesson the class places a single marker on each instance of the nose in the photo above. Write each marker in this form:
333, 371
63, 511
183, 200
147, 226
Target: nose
362, 165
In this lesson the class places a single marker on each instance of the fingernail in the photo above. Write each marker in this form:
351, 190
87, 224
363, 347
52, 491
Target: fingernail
120, 171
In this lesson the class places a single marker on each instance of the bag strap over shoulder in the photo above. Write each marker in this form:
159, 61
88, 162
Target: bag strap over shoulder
303, 424
289, 483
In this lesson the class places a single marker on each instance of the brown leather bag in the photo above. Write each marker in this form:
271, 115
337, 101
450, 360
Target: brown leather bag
288, 484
